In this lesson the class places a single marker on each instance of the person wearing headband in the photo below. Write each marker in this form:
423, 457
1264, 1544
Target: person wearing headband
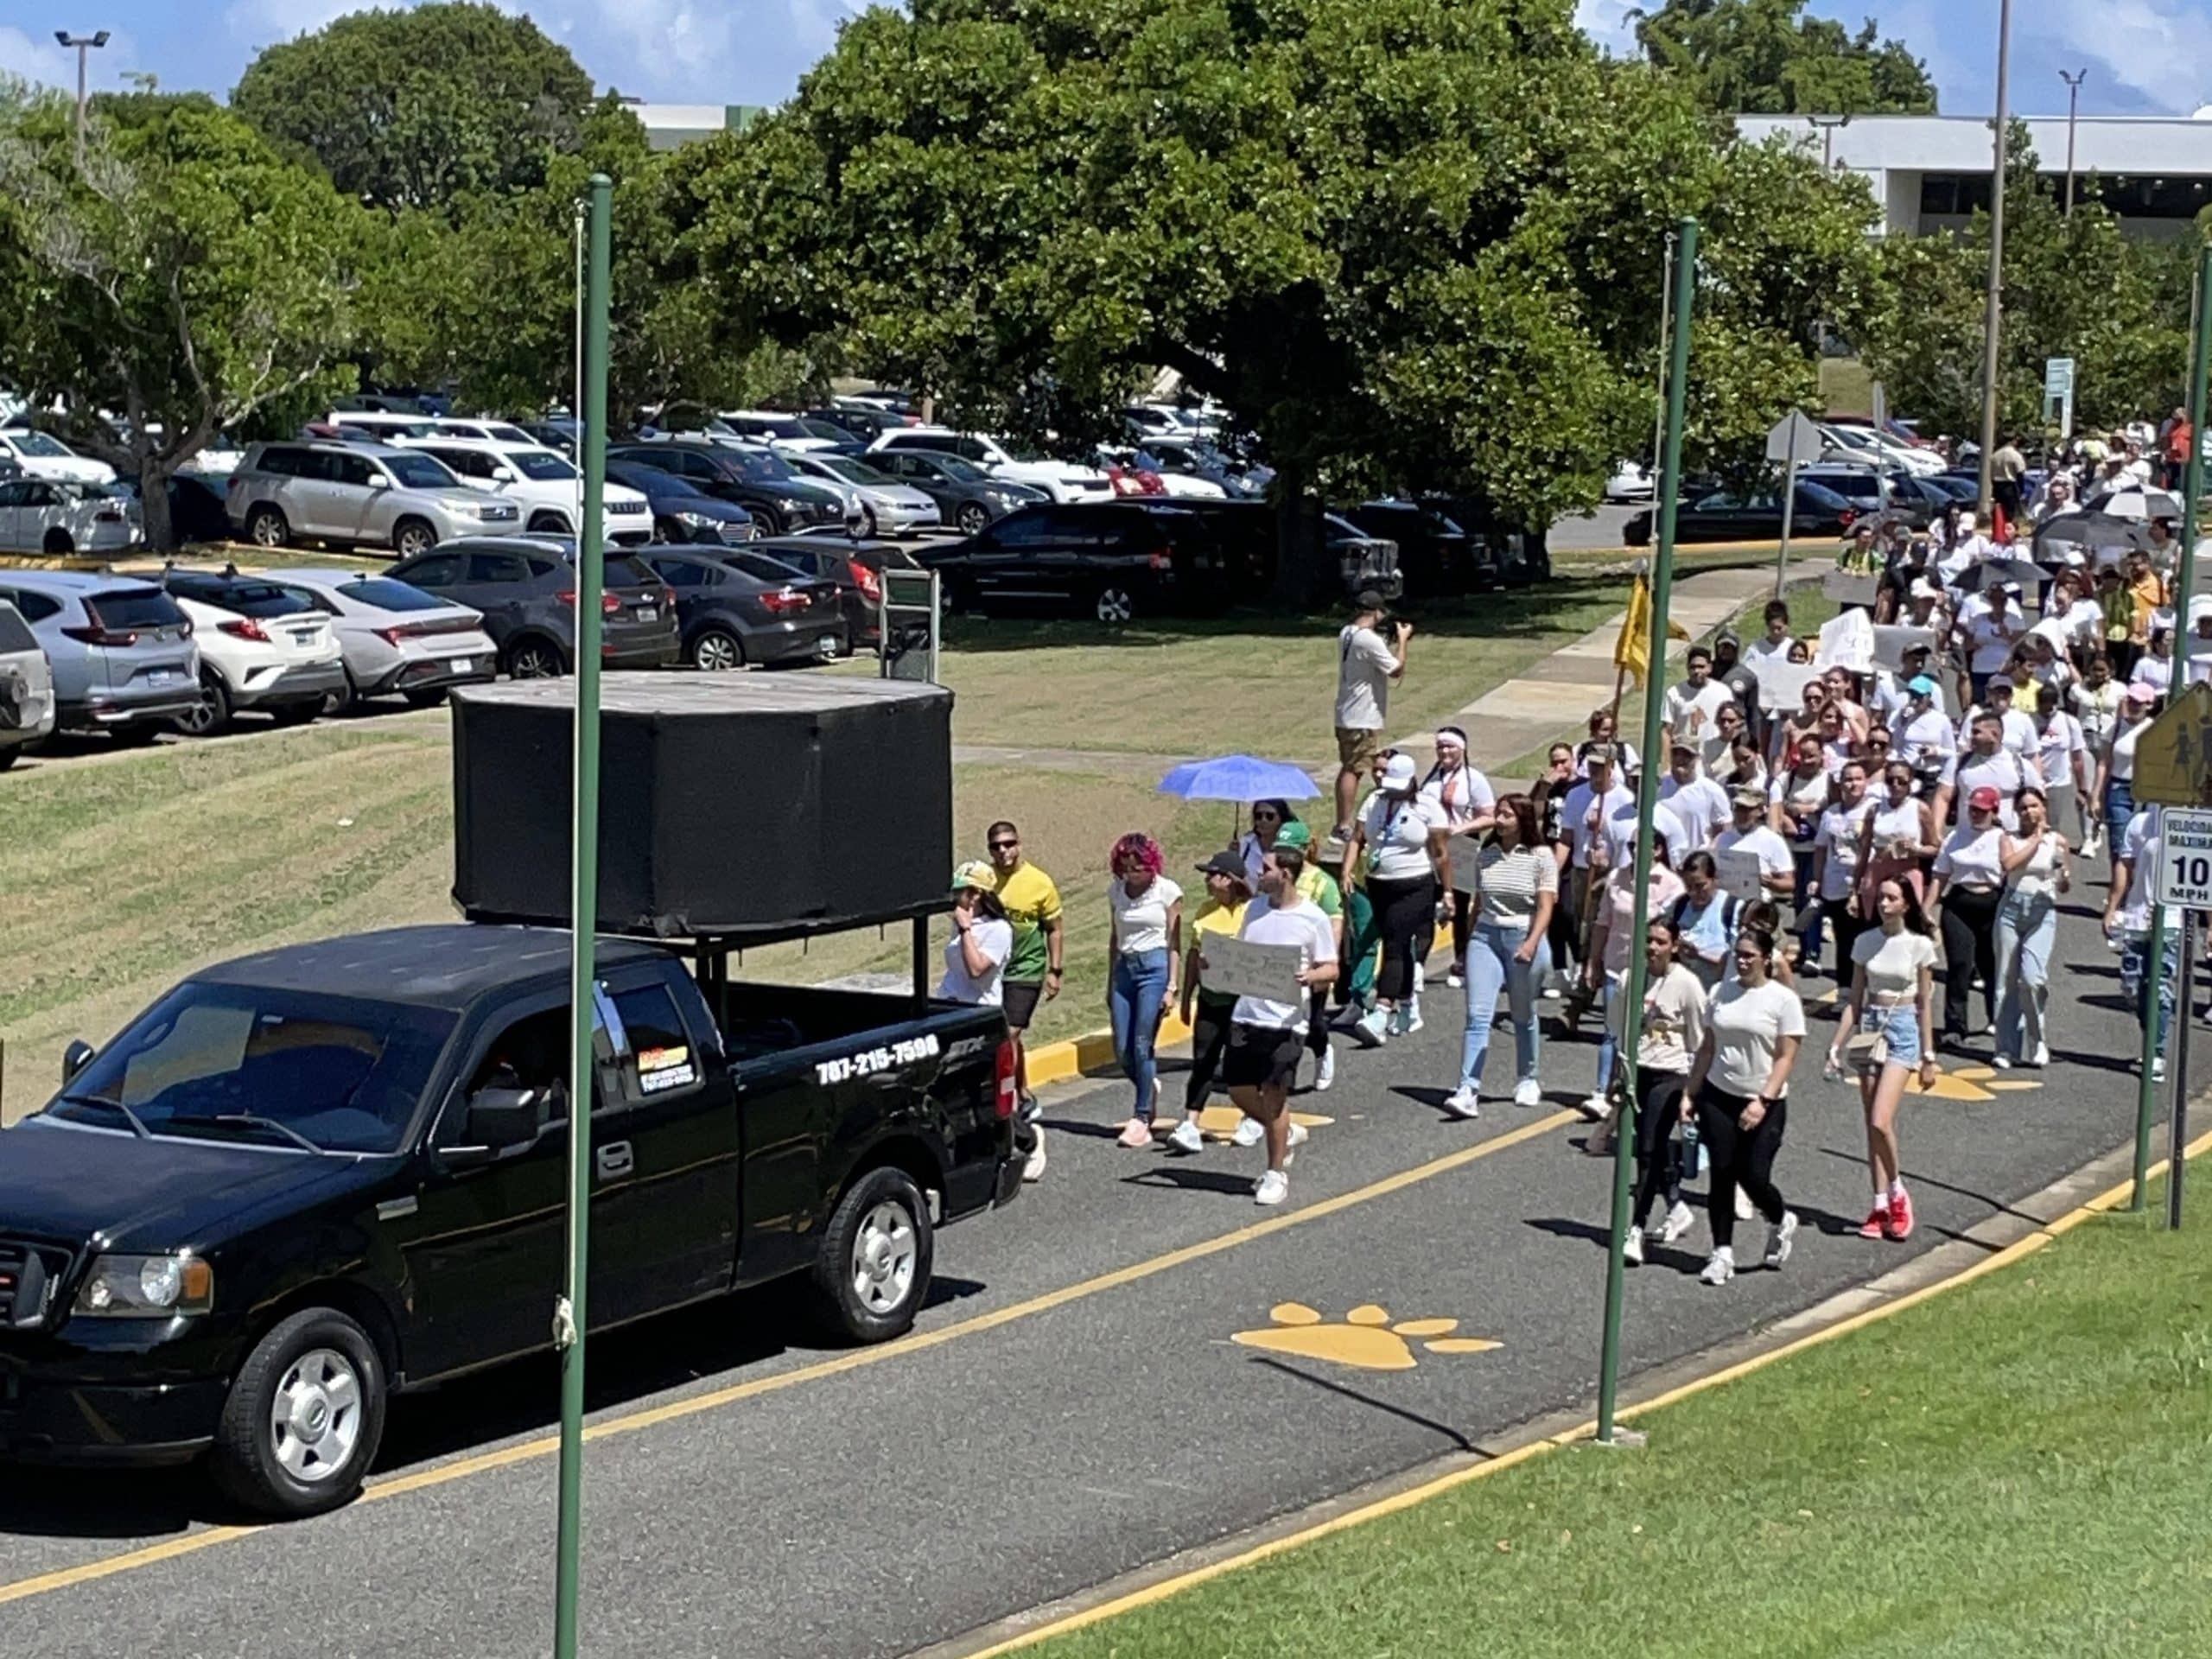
1468, 804
1399, 841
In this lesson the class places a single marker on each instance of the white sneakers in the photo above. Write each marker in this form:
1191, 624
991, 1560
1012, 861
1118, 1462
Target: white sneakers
1528, 1092
1033, 1168
1326, 1073
2043, 1056
1597, 1108
1454, 978
1720, 1266
1297, 1140
1780, 1238
1632, 1248
1371, 1028
1249, 1133
1679, 1219
1187, 1136
1462, 1101
1271, 1188
1409, 1019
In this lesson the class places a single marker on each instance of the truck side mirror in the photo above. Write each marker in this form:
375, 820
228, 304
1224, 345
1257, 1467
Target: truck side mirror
75, 1058
499, 1118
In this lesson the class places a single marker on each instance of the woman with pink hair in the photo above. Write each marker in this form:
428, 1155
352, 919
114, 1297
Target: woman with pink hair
1145, 942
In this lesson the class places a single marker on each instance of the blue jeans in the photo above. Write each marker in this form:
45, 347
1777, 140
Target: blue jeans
2135, 979
1608, 1044
1492, 967
2119, 807
2026, 930
1135, 997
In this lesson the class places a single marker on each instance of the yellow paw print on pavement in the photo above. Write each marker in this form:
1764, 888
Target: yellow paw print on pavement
1968, 1083
1367, 1338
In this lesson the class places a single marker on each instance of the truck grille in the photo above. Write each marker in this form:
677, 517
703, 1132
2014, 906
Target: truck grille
27, 1280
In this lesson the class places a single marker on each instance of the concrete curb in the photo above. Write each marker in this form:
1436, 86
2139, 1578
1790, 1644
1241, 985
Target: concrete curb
2016, 1232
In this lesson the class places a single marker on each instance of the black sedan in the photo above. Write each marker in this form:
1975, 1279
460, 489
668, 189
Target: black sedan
681, 513
755, 479
965, 494
733, 615
1112, 560
1736, 516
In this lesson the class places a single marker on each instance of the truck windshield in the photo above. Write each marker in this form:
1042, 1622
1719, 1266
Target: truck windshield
207, 1059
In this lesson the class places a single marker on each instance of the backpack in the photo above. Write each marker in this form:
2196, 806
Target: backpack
1730, 907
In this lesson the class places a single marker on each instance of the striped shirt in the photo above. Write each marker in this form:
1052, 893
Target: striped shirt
1510, 884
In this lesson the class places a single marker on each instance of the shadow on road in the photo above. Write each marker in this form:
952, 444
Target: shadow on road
1343, 1391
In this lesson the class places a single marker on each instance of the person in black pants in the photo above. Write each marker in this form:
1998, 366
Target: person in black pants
1402, 839
1962, 902
1206, 1012
1549, 796
1673, 1030
1754, 1026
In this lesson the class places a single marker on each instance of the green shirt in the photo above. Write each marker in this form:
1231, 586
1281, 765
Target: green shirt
1317, 887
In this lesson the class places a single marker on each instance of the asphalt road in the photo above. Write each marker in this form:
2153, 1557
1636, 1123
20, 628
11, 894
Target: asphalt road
1076, 1402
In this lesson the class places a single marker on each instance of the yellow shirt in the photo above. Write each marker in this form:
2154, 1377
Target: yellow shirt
1032, 904
1217, 918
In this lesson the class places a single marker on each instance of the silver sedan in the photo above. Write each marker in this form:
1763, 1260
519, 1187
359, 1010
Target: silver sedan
881, 503
395, 638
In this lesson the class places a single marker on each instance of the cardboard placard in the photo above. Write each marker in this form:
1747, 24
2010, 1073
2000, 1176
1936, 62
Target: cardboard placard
1850, 588
1738, 872
1891, 644
1782, 685
1237, 967
1464, 851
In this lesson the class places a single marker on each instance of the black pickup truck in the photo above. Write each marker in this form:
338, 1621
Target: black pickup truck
306, 1179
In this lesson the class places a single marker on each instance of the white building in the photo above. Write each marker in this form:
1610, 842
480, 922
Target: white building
668, 125
1931, 172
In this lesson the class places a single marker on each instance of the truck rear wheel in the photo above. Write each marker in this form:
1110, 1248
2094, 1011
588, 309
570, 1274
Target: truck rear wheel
873, 1273
304, 1417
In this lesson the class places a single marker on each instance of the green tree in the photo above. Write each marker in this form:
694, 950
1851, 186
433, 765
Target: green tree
187, 280
2071, 288
1766, 57
414, 107
1410, 244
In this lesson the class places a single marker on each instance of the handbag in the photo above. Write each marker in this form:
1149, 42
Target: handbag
1870, 1045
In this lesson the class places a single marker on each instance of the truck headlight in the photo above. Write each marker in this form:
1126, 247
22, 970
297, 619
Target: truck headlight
696, 520
146, 1286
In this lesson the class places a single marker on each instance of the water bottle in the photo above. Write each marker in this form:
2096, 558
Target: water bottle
1690, 1163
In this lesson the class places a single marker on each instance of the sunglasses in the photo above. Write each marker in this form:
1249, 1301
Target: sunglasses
1004, 845
1267, 817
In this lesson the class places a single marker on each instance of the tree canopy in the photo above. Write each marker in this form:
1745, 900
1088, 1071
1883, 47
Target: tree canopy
1410, 243
419, 107
187, 278
1767, 57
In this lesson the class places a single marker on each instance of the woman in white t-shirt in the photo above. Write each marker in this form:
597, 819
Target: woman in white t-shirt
1144, 944
1753, 1028
1400, 841
1611, 937
1962, 900
1671, 1032
1467, 801
975, 956
1836, 845
2116, 767
1890, 1021
2037, 869
1517, 889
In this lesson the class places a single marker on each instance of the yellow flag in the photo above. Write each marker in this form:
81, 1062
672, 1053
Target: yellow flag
1632, 650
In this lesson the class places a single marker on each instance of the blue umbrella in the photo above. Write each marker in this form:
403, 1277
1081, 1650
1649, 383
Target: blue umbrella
1238, 777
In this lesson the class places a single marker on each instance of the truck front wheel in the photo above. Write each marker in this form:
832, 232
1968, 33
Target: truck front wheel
874, 1269
303, 1419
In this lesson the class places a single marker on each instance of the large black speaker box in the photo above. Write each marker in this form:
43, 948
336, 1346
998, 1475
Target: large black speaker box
740, 807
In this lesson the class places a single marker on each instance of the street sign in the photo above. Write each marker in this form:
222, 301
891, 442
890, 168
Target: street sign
2058, 378
2185, 858
1795, 438
2173, 757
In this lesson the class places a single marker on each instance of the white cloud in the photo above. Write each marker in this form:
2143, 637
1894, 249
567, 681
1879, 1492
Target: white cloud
2159, 49
38, 61
1606, 23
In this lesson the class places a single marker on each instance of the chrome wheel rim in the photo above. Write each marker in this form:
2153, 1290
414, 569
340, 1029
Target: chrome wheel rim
533, 662
716, 653
883, 1258
412, 542
268, 531
314, 1420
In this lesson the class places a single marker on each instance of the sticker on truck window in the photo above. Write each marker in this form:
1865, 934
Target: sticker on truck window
664, 1068
870, 1061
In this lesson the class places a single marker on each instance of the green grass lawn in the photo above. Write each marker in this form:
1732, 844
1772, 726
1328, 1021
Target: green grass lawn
2021, 1467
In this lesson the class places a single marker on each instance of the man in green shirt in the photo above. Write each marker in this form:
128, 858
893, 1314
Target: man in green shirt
1317, 886
1032, 904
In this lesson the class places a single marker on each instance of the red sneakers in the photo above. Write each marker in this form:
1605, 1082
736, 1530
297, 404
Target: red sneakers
1877, 1224
1900, 1226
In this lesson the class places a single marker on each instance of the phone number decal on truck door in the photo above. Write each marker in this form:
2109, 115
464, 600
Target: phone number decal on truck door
870, 1061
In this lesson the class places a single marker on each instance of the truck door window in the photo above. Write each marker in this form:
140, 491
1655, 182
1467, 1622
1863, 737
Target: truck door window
659, 1057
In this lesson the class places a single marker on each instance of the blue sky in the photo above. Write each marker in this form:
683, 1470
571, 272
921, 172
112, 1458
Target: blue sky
2144, 56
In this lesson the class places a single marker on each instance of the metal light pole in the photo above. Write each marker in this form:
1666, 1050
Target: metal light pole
583, 914
1626, 1132
1993, 313
2200, 362
85, 44
1826, 126
2073, 102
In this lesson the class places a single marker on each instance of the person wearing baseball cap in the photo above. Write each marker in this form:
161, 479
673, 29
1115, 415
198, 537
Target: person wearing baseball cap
1399, 840
1962, 899
982, 939
2115, 789
1749, 832
1320, 888
1923, 736
1229, 891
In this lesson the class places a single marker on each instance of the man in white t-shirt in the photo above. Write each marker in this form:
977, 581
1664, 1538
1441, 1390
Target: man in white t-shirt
1693, 708
1698, 805
1924, 737
2127, 924
1987, 764
1749, 832
1267, 1037
2016, 728
1367, 664
1990, 625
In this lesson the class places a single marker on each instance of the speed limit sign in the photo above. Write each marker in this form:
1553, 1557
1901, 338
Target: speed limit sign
2185, 858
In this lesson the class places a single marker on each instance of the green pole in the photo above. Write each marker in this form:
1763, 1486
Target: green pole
2200, 358
568, 1324
1647, 801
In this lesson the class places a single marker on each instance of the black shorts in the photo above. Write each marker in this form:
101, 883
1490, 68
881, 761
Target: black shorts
1019, 1002
1262, 1057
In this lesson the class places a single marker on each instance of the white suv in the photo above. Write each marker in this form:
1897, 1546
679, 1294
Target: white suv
355, 495
544, 484
1061, 479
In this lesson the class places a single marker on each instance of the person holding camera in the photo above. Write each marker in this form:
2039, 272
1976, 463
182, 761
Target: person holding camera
1370, 655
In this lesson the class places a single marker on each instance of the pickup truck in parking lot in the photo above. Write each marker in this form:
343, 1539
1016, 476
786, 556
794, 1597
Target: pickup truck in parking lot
308, 1179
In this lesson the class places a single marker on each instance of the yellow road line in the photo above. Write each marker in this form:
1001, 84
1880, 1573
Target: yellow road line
546, 1446
1151, 1594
